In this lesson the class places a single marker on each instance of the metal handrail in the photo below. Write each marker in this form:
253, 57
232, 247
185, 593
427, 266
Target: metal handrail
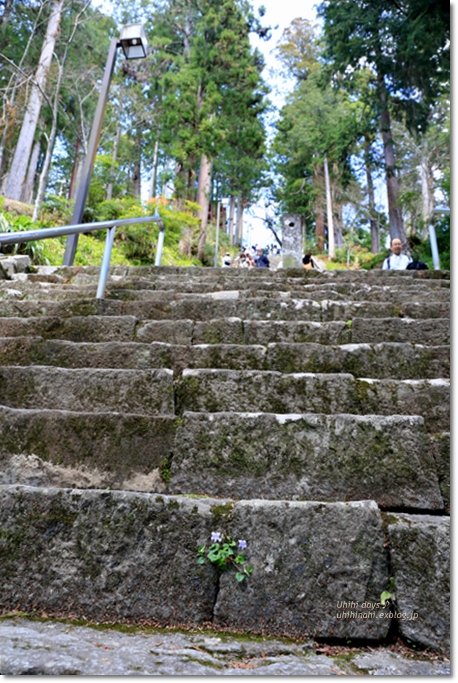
109, 226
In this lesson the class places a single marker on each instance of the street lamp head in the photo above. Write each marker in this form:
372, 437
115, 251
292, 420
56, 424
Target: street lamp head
133, 41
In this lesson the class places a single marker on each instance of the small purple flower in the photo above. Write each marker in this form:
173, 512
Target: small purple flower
242, 544
216, 537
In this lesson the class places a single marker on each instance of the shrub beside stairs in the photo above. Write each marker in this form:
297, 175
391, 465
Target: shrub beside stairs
305, 413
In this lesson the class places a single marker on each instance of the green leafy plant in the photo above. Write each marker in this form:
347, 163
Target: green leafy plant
225, 553
387, 595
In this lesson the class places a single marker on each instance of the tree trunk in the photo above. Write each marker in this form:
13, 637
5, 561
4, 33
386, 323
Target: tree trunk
392, 183
427, 194
27, 196
319, 222
18, 170
373, 220
203, 197
239, 231
114, 157
331, 246
138, 164
152, 187
230, 226
77, 164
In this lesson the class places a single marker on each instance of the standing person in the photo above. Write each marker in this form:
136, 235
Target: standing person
227, 260
308, 261
396, 261
261, 260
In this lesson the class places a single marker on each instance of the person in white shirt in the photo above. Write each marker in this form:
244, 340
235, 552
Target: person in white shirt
396, 261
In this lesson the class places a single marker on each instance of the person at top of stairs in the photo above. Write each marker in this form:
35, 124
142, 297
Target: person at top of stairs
397, 260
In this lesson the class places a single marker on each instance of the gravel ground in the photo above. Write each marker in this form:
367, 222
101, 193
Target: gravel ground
53, 648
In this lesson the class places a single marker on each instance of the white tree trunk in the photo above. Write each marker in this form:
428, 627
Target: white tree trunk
331, 244
30, 182
239, 231
18, 170
114, 156
427, 194
231, 219
152, 188
203, 198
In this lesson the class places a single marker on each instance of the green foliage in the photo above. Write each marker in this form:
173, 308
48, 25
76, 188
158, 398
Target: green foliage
224, 553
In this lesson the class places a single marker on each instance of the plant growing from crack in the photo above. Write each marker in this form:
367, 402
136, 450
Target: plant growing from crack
225, 553
389, 594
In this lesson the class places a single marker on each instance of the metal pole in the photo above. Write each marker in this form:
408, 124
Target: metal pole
160, 245
434, 249
215, 262
105, 263
86, 174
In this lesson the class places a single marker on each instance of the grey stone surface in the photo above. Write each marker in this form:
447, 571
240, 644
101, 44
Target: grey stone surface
124, 444
116, 555
307, 559
429, 398
170, 331
292, 240
106, 555
57, 649
440, 449
420, 559
306, 457
78, 329
434, 331
213, 391
266, 331
145, 392
383, 663
399, 361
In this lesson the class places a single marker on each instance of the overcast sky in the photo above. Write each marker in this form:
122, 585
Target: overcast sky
278, 13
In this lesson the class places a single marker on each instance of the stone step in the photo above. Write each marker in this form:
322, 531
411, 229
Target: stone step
440, 448
145, 392
107, 555
242, 455
432, 332
113, 447
86, 328
110, 555
379, 276
398, 361
198, 308
217, 391
306, 457
233, 330
420, 559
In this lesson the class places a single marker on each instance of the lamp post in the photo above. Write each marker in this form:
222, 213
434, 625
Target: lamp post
134, 44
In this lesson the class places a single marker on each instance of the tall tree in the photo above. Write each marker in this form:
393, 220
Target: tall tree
18, 169
405, 43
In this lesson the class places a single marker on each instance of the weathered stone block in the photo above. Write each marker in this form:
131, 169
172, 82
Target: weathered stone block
420, 560
440, 449
308, 559
169, 331
434, 331
78, 329
275, 331
123, 444
105, 555
306, 457
145, 392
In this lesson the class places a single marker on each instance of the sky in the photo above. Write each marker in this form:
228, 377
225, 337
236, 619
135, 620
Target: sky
279, 13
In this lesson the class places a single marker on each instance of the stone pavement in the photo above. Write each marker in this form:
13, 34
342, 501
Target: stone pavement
52, 648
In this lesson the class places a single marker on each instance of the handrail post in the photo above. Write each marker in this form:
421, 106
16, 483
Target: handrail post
160, 245
105, 263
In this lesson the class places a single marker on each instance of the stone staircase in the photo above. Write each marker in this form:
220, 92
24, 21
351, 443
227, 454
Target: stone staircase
307, 413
